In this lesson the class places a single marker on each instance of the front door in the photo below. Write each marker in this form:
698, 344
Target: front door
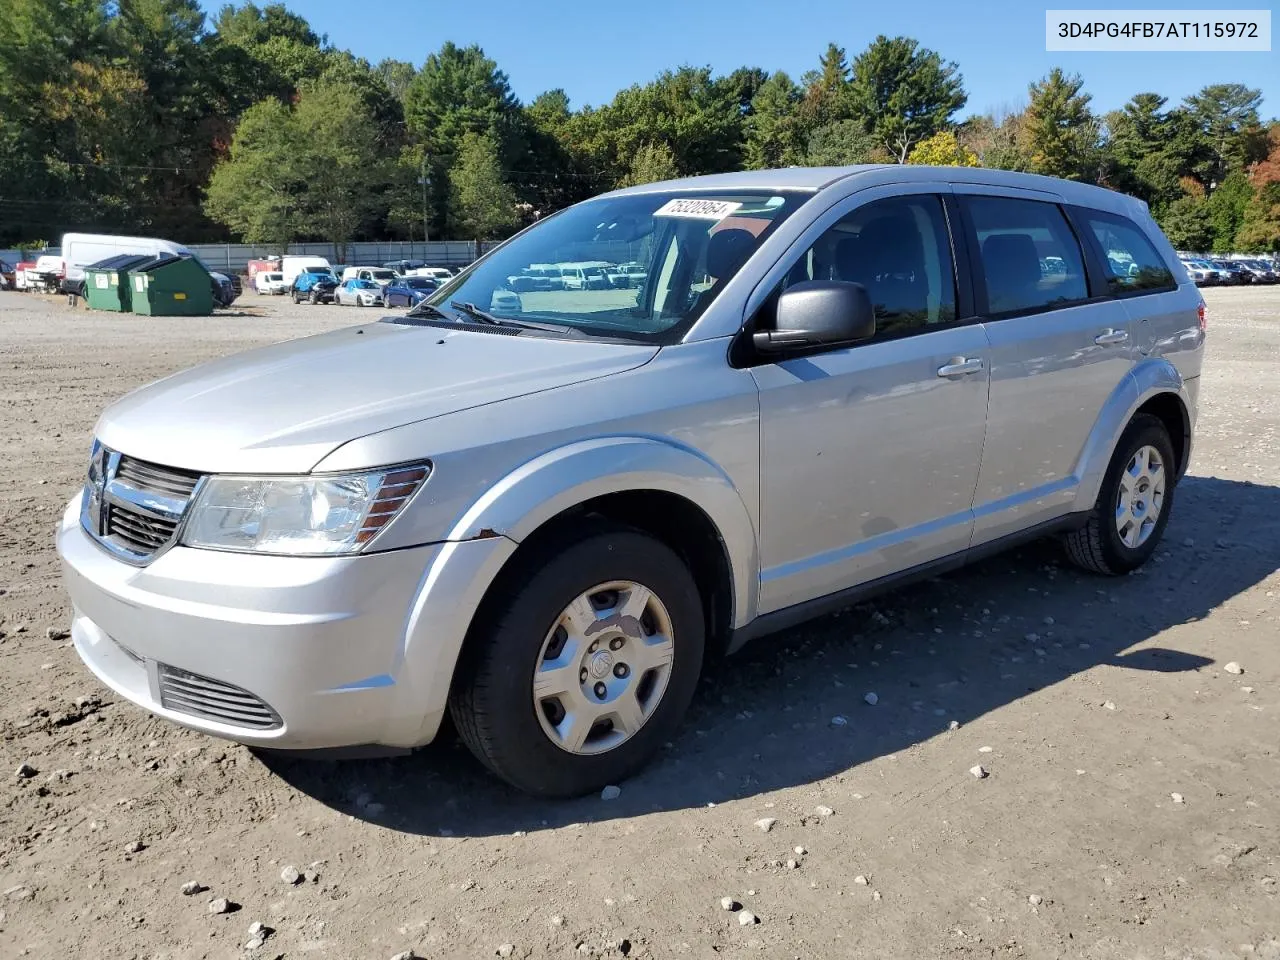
869, 454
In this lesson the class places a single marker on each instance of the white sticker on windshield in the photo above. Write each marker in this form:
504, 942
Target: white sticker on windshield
697, 209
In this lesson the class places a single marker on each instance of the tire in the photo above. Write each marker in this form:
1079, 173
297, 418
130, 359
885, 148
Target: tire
359, 300
314, 298
492, 702
1098, 546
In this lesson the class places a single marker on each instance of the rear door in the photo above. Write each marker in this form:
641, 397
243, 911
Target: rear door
1164, 321
1059, 346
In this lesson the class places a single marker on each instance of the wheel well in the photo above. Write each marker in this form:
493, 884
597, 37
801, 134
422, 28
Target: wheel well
669, 518
1169, 409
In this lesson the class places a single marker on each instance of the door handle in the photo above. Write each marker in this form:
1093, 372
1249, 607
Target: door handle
959, 367
1108, 338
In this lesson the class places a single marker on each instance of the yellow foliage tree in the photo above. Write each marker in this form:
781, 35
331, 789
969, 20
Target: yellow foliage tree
942, 150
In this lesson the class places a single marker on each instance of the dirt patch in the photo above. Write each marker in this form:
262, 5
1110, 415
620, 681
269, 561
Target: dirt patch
1090, 703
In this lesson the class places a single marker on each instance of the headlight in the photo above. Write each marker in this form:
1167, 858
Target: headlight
299, 516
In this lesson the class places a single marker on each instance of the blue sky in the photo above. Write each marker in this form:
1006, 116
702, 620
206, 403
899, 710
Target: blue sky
592, 49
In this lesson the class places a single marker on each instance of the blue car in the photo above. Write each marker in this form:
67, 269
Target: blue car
408, 291
314, 287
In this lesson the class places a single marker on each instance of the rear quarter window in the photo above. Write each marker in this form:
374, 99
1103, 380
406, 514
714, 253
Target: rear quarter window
1129, 261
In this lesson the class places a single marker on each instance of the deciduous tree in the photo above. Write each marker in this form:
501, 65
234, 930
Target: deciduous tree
483, 204
942, 150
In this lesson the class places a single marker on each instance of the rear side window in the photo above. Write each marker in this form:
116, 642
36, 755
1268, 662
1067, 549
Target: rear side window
1130, 261
1031, 260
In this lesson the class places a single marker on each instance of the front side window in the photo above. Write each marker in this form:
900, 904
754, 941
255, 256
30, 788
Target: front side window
900, 250
1130, 261
687, 244
1031, 260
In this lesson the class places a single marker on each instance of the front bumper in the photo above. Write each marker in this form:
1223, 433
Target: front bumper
345, 651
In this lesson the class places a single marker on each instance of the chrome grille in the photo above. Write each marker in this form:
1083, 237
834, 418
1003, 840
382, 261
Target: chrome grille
140, 534
148, 476
211, 699
133, 507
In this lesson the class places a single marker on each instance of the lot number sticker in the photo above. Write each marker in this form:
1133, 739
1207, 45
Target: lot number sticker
697, 209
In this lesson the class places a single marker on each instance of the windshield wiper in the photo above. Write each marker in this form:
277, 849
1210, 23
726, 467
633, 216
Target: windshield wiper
475, 313
425, 309
471, 310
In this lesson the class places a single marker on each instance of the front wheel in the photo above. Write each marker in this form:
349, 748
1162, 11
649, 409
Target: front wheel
1133, 505
582, 665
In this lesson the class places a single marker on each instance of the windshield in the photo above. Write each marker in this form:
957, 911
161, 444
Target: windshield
418, 283
686, 245
382, 274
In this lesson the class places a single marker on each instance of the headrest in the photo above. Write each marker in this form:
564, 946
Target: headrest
727, 250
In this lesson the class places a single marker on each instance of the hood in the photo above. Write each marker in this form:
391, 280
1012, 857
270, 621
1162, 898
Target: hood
283, 408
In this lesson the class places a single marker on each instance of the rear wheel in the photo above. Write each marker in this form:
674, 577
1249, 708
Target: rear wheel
1133, 505
583, 665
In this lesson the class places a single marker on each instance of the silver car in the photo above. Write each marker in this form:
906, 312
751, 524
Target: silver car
545, 522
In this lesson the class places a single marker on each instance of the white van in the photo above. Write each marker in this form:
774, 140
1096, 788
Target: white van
382, 276
80, 250
290, 267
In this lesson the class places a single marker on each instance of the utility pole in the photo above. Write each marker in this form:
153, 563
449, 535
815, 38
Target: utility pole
424, 180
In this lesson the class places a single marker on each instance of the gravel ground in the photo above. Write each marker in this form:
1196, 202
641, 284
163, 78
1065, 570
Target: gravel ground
1127, 805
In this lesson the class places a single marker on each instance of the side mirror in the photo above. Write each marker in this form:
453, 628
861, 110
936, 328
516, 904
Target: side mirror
819, 313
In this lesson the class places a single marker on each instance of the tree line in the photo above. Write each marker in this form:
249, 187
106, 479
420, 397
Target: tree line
145, 116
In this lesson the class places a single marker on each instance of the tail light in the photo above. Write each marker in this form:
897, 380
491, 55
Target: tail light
1200, 315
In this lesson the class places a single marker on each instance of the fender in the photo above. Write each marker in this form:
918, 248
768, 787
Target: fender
551, 483
488, 533
1151, 376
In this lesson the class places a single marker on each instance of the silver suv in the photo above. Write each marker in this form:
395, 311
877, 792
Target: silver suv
545, 515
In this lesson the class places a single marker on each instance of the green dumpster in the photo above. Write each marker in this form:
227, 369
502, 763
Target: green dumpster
172, 287
106, 283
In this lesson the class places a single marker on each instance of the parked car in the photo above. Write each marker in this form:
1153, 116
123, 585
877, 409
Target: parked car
314, 286
261, 265
408, 291
627, 275
291, 266
379, 275
1260, 270
550, 274
24, 276
271, 283
1202, 273
404, 267
224, 287
546, 523
359, 293
48, 274
584, 276
439, 274
529, 279
6, 275
1232, 272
